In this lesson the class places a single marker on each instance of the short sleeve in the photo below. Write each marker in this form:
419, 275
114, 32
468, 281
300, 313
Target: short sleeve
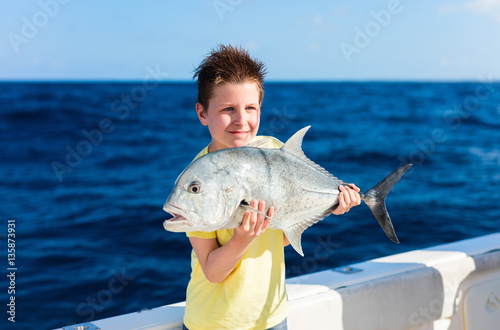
275, 143
201, 234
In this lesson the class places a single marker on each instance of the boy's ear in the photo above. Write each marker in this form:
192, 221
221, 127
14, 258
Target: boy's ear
202, 116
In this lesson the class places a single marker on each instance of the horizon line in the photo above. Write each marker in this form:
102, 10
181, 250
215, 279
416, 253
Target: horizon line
280, 81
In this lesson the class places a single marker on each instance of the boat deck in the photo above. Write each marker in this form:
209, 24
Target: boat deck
450, 286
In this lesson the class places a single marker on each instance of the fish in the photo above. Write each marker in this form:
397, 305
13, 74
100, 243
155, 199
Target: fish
215, 190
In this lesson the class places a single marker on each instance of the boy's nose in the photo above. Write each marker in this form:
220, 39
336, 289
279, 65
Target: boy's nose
240, 117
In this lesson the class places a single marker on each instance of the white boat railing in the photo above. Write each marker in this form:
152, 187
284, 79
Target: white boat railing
450, 286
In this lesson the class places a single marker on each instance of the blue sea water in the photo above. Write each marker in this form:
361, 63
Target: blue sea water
87, 167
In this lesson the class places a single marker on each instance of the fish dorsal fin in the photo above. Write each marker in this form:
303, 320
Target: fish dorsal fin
258, 143
294, 146
294, 233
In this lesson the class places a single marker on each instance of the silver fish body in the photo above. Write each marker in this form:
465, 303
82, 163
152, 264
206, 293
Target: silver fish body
214, 191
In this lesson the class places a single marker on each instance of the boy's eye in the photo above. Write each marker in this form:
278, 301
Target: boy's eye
227, 109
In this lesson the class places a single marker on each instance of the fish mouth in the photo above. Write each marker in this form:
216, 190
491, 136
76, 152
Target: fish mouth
176, 218
178, 221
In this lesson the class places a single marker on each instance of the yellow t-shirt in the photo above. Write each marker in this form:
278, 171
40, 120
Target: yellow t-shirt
253, 296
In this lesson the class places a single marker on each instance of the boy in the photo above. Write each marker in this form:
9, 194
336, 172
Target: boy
238, 276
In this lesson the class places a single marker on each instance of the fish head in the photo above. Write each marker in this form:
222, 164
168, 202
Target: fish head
203, 199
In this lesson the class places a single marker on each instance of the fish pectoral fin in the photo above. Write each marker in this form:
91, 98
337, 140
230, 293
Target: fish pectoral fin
294, 237
247, 206
294, 233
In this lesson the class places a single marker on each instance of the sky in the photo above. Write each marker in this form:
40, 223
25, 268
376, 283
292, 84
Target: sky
452, 40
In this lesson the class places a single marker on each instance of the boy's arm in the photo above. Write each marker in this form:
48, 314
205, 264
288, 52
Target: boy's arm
218, 262
348, 198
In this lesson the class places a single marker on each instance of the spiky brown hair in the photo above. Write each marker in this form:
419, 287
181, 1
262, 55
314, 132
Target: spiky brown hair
228, 65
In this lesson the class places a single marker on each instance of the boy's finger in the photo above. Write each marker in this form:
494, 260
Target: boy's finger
246, 219
260, 218
270, 212
358, 198
262, 221
254, 205
258, 214
252, 219
267, 221
353, 186
346, 195
355, 197
262, 206
340, 209
352, 196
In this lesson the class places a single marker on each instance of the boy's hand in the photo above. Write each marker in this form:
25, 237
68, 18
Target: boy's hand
253, 224
348, 198
216, 261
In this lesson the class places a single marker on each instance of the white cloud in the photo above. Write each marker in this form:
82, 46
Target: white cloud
485, 7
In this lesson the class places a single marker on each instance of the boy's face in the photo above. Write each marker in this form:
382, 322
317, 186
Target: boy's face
233, 115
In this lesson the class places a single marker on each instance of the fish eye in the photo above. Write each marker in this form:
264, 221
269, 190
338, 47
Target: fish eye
194, 188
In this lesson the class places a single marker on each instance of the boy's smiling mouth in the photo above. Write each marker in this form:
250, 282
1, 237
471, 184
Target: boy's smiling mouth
239, 132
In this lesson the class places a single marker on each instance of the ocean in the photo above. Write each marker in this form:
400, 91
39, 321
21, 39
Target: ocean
87, 166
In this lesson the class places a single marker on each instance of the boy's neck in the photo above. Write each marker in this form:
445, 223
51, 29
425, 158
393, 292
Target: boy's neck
210, 146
